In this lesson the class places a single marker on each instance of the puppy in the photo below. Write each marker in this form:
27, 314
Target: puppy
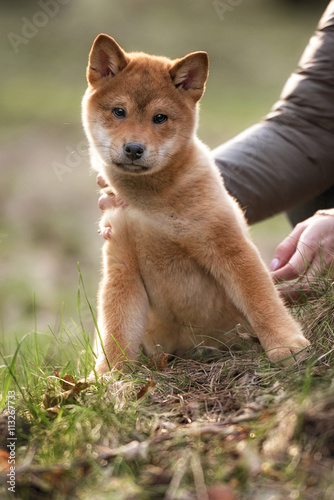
180, 269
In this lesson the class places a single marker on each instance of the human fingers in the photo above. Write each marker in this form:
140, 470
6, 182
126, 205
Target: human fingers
106, 201
299, 263
287, 248
305, 286
105, 229
314, 251
110, 200
106, 232
296, 292
101, 182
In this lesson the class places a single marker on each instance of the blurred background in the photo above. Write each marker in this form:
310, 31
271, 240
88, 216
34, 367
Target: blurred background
48, 197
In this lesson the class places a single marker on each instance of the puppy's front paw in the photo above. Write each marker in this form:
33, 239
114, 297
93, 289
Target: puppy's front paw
288, 350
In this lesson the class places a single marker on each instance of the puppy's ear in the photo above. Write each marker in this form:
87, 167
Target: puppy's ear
190, 73
106, 59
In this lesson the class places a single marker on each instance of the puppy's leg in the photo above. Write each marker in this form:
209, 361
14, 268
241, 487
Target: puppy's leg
236, 264
122, 312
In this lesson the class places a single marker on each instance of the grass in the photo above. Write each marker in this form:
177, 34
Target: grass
223, 423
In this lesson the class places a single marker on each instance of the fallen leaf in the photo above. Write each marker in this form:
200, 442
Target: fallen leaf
4, 457
80, 386
145, 388
159, 361
53, 398
220, 492
52, 412
67, 382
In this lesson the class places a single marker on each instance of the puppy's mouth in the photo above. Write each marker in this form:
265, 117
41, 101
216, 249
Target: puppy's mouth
133, 168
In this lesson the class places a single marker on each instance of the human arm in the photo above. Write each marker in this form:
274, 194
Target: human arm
287, 158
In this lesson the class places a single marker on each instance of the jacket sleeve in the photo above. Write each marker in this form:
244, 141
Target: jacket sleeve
288, 158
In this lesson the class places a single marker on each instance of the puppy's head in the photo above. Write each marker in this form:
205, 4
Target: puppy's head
140, 111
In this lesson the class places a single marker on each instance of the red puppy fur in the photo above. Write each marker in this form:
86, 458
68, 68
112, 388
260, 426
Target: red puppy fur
180, 269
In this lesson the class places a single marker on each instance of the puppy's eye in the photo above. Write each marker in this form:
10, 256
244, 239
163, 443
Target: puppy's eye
119, 112
160, 118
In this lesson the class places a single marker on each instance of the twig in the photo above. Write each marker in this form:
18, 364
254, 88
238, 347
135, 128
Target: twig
199, 480
180, 470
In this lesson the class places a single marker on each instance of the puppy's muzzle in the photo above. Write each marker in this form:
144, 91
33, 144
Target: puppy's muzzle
133, 150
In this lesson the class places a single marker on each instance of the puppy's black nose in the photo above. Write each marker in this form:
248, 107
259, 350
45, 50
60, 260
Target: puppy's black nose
133, 150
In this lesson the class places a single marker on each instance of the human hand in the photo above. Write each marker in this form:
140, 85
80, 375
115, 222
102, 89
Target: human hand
307, 252
106, 201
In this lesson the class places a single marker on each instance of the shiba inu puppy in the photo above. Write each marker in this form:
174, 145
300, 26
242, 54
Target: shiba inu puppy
180, 269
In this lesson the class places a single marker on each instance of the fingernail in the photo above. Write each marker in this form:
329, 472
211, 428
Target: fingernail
101, 202
107, 233
274, 264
